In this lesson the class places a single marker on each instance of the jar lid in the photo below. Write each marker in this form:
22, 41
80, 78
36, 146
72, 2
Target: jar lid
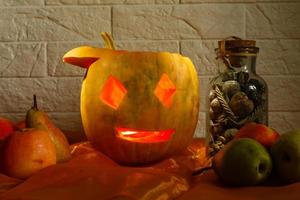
236, 43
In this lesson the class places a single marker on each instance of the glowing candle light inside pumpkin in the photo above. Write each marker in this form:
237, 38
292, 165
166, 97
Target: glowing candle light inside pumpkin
165, 90
142, 136
113, 92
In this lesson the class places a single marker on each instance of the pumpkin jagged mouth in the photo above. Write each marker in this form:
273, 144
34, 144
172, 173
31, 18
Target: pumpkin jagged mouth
143, 136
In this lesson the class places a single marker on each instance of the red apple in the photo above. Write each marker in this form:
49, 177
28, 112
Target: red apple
28, 151
6, 128
259, 132
21, 125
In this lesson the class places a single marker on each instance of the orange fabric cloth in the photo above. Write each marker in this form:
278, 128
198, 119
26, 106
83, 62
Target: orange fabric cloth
91, 175
7, 183
207, 187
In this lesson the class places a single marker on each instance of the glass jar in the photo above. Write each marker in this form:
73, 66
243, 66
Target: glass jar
237, 95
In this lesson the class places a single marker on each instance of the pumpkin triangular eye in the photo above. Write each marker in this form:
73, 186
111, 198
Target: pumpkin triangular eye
113, 92
165, 90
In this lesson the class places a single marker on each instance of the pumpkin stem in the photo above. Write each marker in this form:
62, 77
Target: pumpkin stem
108, 40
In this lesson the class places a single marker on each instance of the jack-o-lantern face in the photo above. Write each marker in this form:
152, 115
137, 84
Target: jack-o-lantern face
113, 92
137, 107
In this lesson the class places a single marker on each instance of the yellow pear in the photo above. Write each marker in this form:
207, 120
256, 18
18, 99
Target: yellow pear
38, 119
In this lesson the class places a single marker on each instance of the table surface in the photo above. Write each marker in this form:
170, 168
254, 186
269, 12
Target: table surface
90, 175
207, 186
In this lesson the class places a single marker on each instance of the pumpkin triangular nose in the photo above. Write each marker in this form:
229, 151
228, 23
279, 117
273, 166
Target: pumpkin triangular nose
82, 56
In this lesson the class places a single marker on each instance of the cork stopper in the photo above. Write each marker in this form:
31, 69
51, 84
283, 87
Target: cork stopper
233, 42
237, 43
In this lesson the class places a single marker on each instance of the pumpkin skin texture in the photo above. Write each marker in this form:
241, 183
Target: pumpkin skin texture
140, 109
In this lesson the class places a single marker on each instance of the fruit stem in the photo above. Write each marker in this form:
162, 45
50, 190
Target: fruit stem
35, 106
200, 171
108, 41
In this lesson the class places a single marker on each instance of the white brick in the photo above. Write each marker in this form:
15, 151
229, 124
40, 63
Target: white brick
69, 121
279, 1
96, 2
54, 94
70, 124
171, 46
22, 60
21, 2
284, 93
14, 117
138, 1
234, 1
81, 2
53, 24
204, 86
284, 121
178, 22
202, 53
278, 57
166, 1
201, 126
273, 20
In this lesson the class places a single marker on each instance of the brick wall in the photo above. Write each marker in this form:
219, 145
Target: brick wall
34, 35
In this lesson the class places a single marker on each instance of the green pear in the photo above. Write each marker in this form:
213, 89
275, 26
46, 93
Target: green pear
242, 162
286, 155
36, 118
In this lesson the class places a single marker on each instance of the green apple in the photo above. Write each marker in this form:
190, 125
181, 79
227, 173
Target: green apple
286, 156
242, 162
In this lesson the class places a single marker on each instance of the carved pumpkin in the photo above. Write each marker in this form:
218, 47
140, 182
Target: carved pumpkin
137, 107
